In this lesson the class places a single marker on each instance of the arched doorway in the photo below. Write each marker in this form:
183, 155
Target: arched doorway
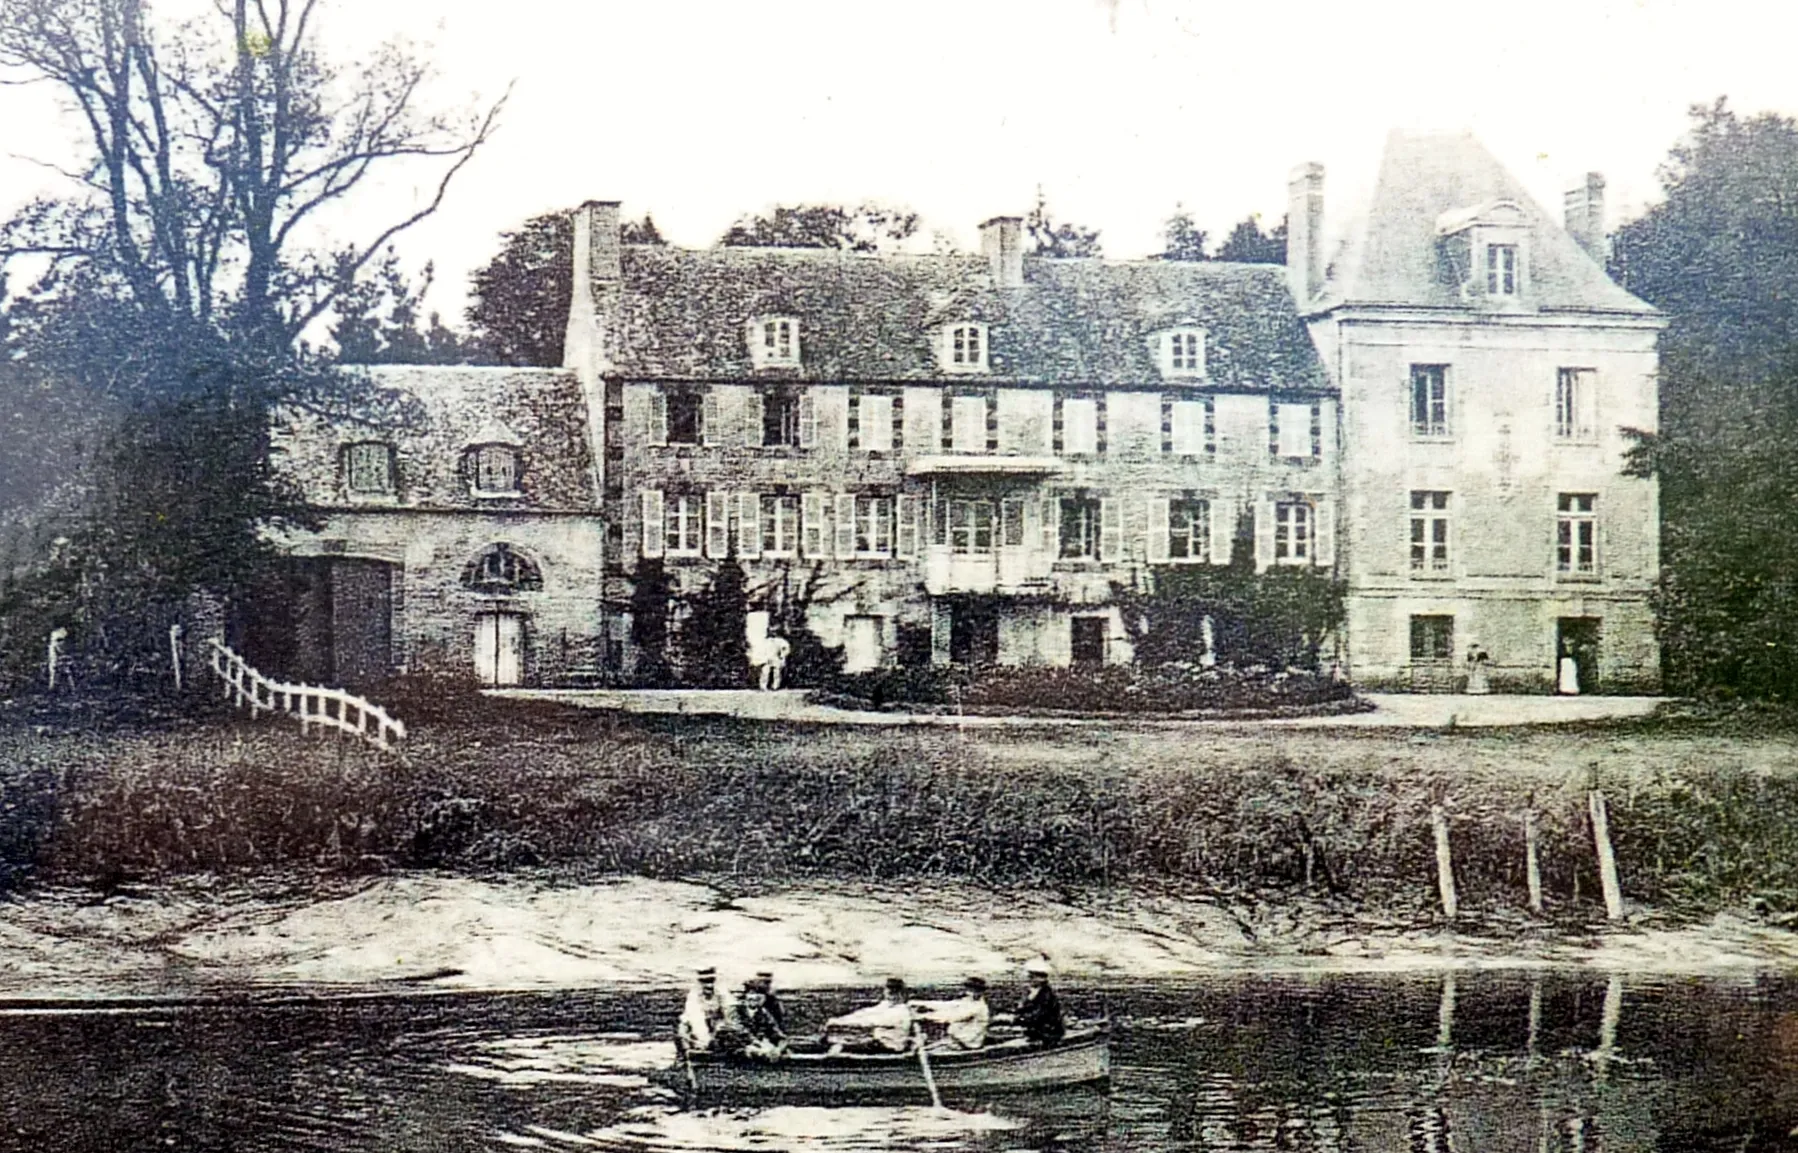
499, 647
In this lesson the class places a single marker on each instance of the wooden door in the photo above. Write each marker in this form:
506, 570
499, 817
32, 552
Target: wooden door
499, 649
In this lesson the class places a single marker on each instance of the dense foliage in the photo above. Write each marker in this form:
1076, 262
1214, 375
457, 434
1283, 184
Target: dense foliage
864, 228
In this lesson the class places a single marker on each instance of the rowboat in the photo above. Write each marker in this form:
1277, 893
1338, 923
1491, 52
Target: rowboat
1012, 1066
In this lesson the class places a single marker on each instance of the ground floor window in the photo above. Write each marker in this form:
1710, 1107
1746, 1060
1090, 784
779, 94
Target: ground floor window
1432, 638
780, 525
1079, 528
873, 526
1088, 641
967, 526
1189, 530
1292, 532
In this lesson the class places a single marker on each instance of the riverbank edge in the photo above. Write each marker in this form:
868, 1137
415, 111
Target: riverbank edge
430, 934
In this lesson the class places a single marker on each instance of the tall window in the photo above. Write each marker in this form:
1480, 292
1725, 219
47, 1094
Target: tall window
1429, 533
1429, 400
1079, 528
780, 420
1575, 393
495, 468
967, 429
874, 526
685, 424
874, 420
683, 520
369, 468
1189, 427
967, 526
1576, 534
1432, 638
1079, 427
780, 525
1189, 530
1502, 270
1295, 430
1292, 532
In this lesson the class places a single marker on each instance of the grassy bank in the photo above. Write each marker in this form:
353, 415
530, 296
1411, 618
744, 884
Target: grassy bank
1704, 816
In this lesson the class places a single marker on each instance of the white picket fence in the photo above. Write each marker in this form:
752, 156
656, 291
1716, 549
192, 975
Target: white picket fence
309, 704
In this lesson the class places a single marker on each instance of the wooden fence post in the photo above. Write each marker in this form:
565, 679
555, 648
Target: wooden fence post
1445, 865
1532, 861
1607, 860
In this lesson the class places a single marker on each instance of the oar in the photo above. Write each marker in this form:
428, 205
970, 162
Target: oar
917, 1032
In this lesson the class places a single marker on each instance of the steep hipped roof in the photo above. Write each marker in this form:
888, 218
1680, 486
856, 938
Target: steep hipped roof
875, 317
1390, 257
432, 416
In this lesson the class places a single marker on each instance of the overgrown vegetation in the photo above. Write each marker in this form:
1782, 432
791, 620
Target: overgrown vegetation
1147, 690
1701, 820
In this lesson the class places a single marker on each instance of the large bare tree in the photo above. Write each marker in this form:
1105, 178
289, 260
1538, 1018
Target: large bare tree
214, 143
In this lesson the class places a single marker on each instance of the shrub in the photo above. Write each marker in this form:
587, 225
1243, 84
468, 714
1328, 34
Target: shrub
1156, 689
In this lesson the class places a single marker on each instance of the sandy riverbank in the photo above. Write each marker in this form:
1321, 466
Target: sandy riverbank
435, 931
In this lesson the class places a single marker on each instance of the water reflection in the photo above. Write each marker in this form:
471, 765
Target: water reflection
1467, 1063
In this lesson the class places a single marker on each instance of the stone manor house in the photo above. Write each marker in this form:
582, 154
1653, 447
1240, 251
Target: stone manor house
965, 455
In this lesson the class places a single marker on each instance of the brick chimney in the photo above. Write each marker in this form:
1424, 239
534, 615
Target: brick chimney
598, 280
1304, 231
1584, 216
1002, 240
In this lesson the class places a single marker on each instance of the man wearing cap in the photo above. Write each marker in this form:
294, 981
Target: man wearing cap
749, 1030
964, 1019
884, 1027
1039, 1013
705, 1010
771, 1005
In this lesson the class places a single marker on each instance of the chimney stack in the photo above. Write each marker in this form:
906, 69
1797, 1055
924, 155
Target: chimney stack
1584, 216
1002, 240
598, 278
1304, 231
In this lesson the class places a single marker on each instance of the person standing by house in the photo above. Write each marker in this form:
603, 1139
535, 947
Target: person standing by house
1479, 673
1039, 1013
775, 651
703, 1015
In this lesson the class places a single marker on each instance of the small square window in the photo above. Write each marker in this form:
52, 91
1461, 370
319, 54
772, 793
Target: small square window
774, 342
369, 469
965, 348
1183, 352
495, 469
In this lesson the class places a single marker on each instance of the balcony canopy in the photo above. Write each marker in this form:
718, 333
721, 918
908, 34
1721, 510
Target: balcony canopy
974, 464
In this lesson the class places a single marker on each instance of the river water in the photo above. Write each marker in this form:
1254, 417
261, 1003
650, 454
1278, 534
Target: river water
1464, 1064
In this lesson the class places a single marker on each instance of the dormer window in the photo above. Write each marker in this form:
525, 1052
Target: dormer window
964, 348
774, 342
368, 468
1503, 274
495, 469
1181, 352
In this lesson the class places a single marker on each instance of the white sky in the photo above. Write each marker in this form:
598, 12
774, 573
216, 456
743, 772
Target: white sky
699, 111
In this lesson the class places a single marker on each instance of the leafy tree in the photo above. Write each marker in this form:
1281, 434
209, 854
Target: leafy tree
866, 228
379, 320
1247, 244
1182, 238
518, 313
1048, 238
714, 640
1720, 256
178, 283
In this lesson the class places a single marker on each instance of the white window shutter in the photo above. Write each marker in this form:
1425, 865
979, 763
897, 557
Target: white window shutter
1223, 530
1155, 537
1588, 404
711, 424
1264, 534
1051, 527
1323, 540
1181, 434
749, 524
717, 525
905, 528
1111, 529
876, 423
808, 420
653, 529
752, 419
658, 417
811, 525
845, 525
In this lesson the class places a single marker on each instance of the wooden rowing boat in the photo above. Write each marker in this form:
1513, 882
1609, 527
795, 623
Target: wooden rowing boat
1083, 1057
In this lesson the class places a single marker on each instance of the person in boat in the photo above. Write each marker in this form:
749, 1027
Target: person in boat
1039, 1013
884, 1027
770, 1000
704, 1013
964, 1020
749, 1030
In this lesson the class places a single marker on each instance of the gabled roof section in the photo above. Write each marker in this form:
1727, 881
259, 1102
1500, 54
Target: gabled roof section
1389, 258
431, 415
877, 317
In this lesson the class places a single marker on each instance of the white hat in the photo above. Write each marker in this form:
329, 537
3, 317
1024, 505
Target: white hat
1037, 965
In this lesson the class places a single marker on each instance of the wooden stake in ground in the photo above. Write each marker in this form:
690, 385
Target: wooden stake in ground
1607, 860
1532, 863
1445, 865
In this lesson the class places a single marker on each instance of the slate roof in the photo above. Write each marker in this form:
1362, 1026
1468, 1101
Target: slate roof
432, 415
1389, 258
867, 317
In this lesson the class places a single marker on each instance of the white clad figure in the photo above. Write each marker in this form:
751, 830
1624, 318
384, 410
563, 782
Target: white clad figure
706, 1009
